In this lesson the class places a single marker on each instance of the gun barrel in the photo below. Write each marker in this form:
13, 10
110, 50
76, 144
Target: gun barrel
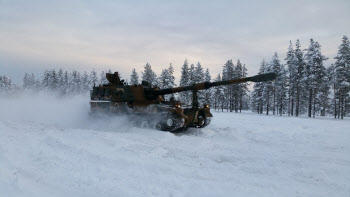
207, 85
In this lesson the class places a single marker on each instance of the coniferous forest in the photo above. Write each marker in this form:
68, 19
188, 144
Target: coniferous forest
304, 86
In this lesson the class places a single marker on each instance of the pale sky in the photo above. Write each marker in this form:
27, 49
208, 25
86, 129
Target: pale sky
121, 35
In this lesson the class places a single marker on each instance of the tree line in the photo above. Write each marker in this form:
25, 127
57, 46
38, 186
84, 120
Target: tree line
304, 86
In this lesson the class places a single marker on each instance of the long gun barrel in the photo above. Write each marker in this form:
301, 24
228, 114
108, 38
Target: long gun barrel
207, 85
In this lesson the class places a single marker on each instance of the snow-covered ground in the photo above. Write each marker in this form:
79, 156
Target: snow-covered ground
49, 147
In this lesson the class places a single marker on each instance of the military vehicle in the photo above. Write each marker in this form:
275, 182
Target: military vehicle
146, 107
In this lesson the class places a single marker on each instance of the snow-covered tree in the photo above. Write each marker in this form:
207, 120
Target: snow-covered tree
291, 62
185, 81
314, 72
208, 92
134, 77
342, 75
60, 79
326, 83
30, 83
299, 76
192, 74
6, 86
46, 79
197, 74
164, 79
282, 91
258, 91
85, 83
240, 90
277, 84
185, 77
167, 79
75, 82
268, 89
171, 74
93, 77
228, 74
53, 80
218, 95
66, 82
149, 75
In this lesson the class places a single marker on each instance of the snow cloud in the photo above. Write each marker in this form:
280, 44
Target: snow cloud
65, 112
36, 35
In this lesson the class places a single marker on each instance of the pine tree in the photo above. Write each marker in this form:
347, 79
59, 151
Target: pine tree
208, 92
85, 84
149, 75
282, 91
93, 77
185, 77
240, 90
75, 82
60, 78
332, 83
171, 75
314, 69
26, 81
198, 77
307, 76
198, 74
218, 95
33, 83
36, 83
167, 79
6, 86
191, 72
262, 91
276, 67
324, 86
342, 75
268, 89
299, 76
164, 79
185, 81
66, 82
228, 74
291, 62
243, 91
53, 80
134, 77
46, 79
236, 87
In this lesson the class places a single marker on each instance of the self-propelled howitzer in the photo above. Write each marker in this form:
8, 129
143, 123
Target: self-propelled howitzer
146, 107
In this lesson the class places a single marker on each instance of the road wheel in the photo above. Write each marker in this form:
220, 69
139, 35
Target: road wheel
203, 121
144, 124
157, 126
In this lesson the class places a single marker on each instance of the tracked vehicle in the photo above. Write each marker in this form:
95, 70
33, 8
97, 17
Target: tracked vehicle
145, 106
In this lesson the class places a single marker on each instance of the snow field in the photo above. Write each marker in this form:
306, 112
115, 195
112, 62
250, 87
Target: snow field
237, 155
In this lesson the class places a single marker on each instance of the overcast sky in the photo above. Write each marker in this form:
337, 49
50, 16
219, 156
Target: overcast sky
121, 35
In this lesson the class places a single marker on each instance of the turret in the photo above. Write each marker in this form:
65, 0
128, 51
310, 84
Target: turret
114, 78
